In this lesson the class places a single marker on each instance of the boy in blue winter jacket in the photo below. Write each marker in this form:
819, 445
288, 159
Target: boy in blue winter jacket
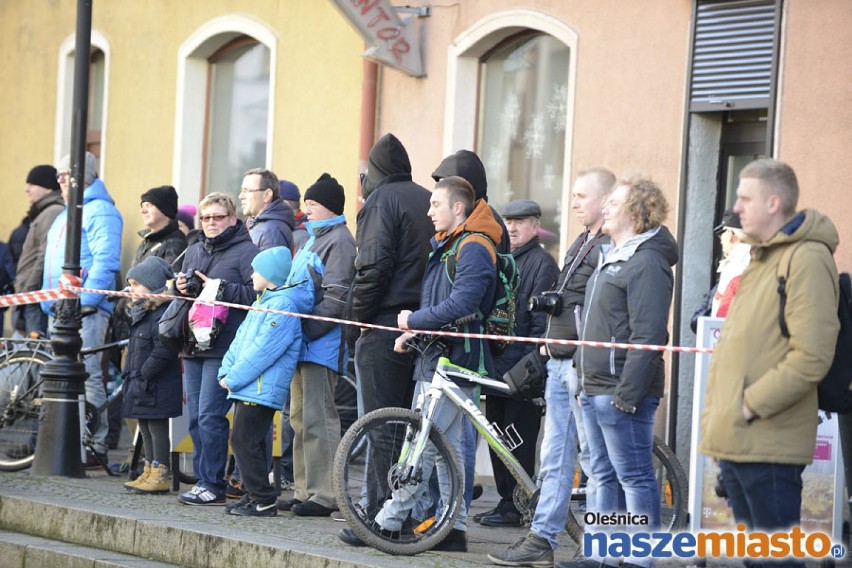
257, 370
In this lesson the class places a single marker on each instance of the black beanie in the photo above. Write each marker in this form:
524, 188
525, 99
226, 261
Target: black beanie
165, 198
328, 193
44, 176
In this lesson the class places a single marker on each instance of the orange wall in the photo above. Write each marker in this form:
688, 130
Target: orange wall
630, 86
815, 109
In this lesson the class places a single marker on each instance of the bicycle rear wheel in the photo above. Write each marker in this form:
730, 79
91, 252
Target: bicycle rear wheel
368, 469
671, 483
20, 404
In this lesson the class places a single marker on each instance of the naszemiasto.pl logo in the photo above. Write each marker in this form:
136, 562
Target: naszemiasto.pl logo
636, 543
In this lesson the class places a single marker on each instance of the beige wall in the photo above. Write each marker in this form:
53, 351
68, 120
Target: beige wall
815, 110
317, 98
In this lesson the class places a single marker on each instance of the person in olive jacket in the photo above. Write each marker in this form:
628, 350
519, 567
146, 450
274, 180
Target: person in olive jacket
760, 414
152, 379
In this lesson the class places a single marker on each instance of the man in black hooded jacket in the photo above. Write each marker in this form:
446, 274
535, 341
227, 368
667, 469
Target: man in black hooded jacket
392, 240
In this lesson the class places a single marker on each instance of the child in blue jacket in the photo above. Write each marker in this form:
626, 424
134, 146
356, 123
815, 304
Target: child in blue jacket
257, 370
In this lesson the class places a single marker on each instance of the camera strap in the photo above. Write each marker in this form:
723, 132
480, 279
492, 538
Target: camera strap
584, 247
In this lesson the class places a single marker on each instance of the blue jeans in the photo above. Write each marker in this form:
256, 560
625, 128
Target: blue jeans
448, 419
93, 333
558, 451
765, 497
621, 448
207, 404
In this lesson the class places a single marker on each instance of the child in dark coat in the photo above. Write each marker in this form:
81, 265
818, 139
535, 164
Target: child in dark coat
153, 388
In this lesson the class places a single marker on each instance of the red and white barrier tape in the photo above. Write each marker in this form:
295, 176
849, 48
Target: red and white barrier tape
71, 290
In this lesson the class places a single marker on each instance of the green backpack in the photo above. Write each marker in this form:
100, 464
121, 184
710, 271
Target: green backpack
500, 320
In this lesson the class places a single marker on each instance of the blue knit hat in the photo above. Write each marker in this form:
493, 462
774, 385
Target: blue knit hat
273, 264
289, 190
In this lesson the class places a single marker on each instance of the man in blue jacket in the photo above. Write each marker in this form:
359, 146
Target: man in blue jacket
100, 261
270, 221
467, 226
326, 262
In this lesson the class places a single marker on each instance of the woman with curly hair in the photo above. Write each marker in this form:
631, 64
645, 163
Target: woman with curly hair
627, 301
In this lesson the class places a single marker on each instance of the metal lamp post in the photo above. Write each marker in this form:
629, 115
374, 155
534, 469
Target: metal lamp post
58, 451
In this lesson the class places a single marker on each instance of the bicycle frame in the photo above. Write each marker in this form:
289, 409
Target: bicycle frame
501, 441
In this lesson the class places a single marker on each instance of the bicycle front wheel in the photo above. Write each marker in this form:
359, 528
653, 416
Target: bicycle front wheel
20, 405
369, 473
671, 483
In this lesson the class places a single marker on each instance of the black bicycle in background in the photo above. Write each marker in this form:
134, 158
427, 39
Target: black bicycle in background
21, 361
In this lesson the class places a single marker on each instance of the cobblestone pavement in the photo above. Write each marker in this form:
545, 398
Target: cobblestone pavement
98, 493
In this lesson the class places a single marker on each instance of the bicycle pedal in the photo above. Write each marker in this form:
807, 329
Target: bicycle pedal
424, 526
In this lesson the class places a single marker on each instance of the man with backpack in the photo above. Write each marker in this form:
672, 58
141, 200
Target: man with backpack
442, 301
760, 414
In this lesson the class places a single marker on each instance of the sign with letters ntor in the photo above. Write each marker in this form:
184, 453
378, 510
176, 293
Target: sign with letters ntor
392, 41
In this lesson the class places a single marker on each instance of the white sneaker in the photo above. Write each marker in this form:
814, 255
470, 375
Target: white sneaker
199, 495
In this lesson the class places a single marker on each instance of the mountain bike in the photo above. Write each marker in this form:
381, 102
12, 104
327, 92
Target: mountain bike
21, 362
382, 454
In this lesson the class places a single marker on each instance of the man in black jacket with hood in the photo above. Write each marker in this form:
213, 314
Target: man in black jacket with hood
466, 164
392, 240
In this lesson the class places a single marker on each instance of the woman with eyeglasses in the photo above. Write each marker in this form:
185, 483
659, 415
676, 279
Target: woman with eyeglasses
224, 251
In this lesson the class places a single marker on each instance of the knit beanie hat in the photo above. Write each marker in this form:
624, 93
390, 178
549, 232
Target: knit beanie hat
328, 193
186, 213
44, 176
273, 264
152, 272
91, 168
289, 191
164, 198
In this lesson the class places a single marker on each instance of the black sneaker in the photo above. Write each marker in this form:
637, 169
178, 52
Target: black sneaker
532, 550
456, 541
256, 509
287, 504
244, 500
96, 460
234, 489
477, 517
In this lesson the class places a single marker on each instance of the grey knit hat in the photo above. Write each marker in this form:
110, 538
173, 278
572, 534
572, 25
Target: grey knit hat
91, 168
153, 273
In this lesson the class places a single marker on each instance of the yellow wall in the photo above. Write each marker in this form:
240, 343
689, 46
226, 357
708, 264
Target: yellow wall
317, 97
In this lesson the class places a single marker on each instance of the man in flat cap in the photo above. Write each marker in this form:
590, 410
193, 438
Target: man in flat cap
538, 273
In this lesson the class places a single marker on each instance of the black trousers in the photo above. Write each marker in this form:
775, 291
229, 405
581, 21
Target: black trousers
527, 420
248, 440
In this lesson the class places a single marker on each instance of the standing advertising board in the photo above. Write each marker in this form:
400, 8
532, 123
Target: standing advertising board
822, 492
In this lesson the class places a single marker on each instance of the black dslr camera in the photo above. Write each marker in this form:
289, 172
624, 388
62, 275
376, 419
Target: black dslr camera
550, 302
193, 283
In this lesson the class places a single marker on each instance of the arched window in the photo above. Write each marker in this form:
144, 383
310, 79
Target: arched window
237, 113
225, 105
98, 90
511, 78
522, 121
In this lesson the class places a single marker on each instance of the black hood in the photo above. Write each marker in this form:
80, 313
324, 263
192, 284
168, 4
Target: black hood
465, 164
387, 158
665, 243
